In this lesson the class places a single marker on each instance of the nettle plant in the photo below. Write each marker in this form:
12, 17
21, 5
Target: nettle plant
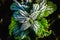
29, 16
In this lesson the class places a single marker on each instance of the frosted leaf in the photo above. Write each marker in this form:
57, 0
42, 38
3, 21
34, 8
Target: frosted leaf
23, 13
25, 26
35, 7
21, 17
35, 26
34, 15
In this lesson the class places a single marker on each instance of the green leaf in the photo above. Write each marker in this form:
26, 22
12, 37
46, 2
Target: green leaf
12, 25
43, 28
51, 7
44, 22
27, 38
